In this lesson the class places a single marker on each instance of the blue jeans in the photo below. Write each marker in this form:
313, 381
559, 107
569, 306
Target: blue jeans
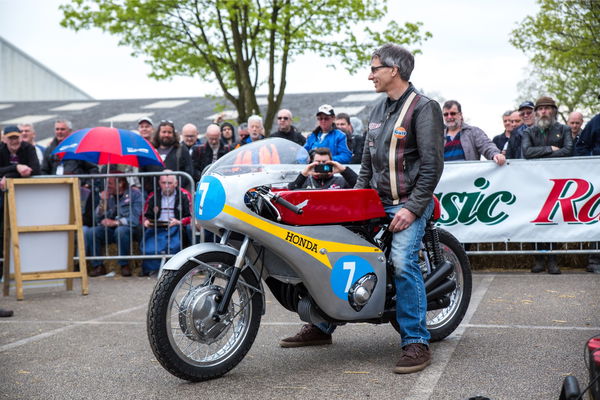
411, 299
95, 238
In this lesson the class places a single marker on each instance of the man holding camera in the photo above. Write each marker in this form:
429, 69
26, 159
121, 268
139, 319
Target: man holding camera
321, 172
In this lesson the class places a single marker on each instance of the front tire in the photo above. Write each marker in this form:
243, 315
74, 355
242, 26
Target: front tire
183, 335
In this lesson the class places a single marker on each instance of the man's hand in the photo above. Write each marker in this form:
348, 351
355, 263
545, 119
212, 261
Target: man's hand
337, 167
309, 168
3, 184
104, 195
554, 148
109, 223
174, 221
24, 170
148, 223
500, 159
402, 220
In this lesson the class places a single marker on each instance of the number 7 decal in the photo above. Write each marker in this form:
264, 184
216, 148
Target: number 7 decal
204, 189
350, 266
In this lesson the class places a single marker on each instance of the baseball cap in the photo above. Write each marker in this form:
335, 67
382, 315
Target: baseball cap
326, 109
145, 119
11, 131
527, 104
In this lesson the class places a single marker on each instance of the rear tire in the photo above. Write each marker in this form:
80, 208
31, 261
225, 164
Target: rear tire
183, 336
441, 323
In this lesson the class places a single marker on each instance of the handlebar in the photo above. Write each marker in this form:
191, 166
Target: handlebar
280, 200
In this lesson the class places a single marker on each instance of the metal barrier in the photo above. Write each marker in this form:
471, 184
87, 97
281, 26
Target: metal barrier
520, 248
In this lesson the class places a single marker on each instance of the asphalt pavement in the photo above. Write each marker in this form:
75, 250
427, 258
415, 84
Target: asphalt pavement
522, 335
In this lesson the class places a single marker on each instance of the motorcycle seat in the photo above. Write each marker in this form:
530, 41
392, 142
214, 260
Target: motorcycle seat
328, 207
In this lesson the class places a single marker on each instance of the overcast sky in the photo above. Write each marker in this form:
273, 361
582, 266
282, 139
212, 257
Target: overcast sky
468, 59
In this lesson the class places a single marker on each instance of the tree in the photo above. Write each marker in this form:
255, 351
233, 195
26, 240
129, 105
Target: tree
563, 40
242, 44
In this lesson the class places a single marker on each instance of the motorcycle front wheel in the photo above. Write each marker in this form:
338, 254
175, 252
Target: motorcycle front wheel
185, 338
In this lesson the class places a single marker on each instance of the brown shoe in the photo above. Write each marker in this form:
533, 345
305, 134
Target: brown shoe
309, 335
415, 357
125, 270
98, 271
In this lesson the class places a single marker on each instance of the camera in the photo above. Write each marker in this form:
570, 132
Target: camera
323, 168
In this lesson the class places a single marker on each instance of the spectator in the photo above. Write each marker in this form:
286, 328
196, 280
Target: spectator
189, 138
501, 140
466, 142
589, 140
575, 122
256, 130
228, 135
589, 145
354, 141
166, 142
28, 135
527, 119
118, 212
310, 179
244, 134
164, 214
513, 148
546, 138
326, 135
145, 128
285, 128
209, 152
53, 165
17, 160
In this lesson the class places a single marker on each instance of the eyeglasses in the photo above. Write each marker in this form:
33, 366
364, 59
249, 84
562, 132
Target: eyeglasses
283, 118
323, 118
450, 113
374, 69
526, 112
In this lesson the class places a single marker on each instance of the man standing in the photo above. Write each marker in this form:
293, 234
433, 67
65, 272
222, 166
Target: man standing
513, 147
326, 135
501, 140
285, 128
546, 139
575, 122
189, 138
145, 128
28, 135
355, 141
210, 151
256, 130
466, 142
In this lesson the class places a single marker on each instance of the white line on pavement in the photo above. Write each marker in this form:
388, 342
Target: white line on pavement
428, 379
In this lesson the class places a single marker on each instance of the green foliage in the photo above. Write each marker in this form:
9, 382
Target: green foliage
563, 40
242, 44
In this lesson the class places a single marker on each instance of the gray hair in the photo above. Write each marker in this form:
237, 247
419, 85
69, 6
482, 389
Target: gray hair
256, 118
393, 55
64, 121
21, 126
507, 113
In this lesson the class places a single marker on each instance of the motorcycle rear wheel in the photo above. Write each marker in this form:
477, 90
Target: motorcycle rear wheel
183, 335
441, 323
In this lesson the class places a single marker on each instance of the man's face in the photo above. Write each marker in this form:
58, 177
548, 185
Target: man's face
113, 186
515, 120
61, 131
343, 126
452, 117
527, 115
544, 116
243, 133
284, 121
189, 136
27, 133
145, 130
227, 132
13, 143
506, 122
167, 184
325, 122
380, 75
213, 138
575, 122
322, 159
166, 136
254, 129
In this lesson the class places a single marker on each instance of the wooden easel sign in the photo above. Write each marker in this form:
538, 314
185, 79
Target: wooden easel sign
42, 219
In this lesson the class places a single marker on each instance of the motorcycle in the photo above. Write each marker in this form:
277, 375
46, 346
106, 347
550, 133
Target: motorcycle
324, 254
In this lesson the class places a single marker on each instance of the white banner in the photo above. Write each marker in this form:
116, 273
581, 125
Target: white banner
546, 200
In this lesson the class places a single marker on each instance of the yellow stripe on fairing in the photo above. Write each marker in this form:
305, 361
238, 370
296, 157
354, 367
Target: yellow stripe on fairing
331, 247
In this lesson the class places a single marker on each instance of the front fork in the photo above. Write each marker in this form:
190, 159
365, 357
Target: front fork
232, 282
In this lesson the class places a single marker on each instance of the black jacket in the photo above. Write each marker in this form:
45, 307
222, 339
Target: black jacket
178, 159
203, 156
27, 156
292, 135
153, 206
589, 140
537, 144
346, 179
418, 159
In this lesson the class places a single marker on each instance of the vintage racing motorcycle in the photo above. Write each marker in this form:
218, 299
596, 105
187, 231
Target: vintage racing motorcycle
324, 254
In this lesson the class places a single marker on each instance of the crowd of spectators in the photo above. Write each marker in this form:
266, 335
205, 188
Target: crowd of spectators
157, 211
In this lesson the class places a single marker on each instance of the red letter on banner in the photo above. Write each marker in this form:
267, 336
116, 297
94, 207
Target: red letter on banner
588, 207
555, 200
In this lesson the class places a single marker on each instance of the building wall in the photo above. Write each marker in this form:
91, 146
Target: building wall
24, 79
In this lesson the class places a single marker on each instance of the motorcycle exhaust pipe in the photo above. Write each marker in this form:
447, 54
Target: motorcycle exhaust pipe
444, 288
443, 271
438, 304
